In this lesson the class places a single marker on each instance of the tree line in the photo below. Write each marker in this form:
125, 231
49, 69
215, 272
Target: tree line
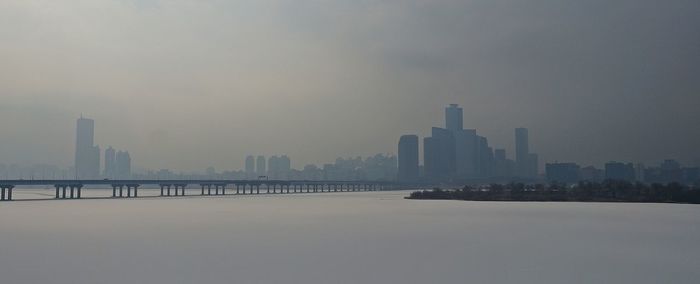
606, 191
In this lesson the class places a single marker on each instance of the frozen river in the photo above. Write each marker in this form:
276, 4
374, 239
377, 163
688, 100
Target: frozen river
362, 237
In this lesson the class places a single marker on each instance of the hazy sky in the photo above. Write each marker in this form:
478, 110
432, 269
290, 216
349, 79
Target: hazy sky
191, 84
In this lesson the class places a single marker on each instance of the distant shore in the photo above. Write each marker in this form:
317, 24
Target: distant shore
608, 191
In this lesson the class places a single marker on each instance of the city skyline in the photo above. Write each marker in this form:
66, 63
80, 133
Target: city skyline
503, 163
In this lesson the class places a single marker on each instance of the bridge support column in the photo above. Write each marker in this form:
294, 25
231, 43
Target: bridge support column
121, 190
72, 189
223, 189
136, 190
209, 189
9, 192
57, 191
257, 189
6, 192
80, 190
114, 191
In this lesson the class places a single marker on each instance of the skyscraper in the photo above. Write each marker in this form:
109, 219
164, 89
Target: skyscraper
533, 165
522, 152
87, 155
619, 171
485, 168
408, 158
123, 165
466, 151
110, 163
285, 167
250, 166
273, 167
454, 118
278, 167
261, 169
440, 162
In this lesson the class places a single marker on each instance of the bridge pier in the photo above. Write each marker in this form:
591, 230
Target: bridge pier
257, 189
80, 190
6, 192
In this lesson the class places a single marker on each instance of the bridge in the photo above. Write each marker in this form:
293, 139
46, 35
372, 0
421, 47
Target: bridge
72, 189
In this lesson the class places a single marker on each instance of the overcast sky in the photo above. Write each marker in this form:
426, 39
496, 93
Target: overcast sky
190, 84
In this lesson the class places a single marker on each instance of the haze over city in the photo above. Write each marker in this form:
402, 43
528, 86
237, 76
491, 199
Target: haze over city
188, 85
349, 141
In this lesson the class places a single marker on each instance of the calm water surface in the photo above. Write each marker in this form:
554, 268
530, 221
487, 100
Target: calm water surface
372, 237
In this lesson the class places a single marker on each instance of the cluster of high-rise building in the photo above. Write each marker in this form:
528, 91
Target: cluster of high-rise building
117, 164
377, 167
450, 154
276, 167
667, 171
87, 155
453, 153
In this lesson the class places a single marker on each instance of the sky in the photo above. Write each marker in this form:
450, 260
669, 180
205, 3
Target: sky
190, 84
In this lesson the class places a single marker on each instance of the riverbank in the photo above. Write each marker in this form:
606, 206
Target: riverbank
609, 191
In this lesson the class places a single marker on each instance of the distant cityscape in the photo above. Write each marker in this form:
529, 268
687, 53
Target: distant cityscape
452, 155
461, 156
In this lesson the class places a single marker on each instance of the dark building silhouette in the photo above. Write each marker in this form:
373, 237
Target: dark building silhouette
533, 165
467, 153
562, 172
250, 167
526, 163
457, 153
87, 155
619, 171
123, 165
591, 173
439, 152
278, 167
503, 167
522, 151
454, 118
408, 158
261, 168
110, 170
